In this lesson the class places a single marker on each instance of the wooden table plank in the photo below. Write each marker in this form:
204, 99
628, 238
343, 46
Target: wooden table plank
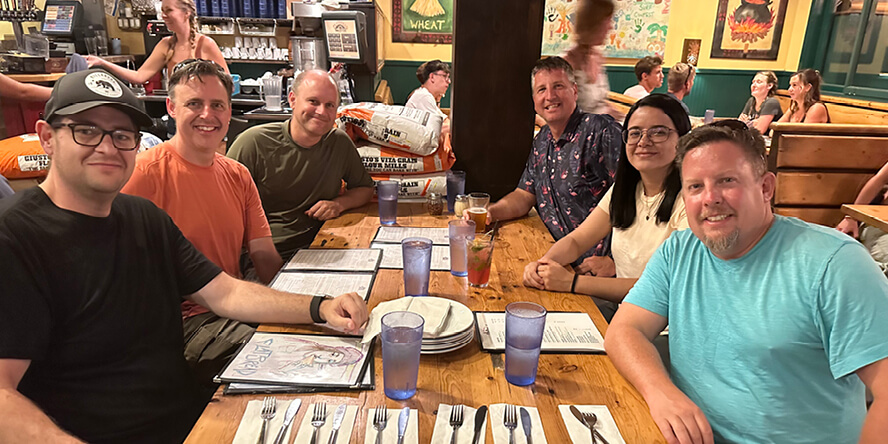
466, 376
875, 215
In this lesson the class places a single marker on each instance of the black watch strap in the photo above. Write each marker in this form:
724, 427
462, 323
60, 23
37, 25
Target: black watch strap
315, 309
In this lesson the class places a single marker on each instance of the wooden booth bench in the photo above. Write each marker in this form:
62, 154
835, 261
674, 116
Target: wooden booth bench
819, 167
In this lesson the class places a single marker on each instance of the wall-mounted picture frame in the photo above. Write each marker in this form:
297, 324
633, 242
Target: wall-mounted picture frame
748, 29
422, 21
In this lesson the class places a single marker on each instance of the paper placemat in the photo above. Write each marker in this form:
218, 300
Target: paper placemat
580, 434
390, 432
443, 430
392, 256
251, 423
345, 431
501, 433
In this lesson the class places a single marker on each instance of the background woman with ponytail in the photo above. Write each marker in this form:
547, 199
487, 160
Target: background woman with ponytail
186, 43
804, 93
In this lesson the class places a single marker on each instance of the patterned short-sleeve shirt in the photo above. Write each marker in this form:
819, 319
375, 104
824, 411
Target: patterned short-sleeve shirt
569, 176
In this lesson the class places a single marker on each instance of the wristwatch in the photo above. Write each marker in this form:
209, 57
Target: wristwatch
315, 309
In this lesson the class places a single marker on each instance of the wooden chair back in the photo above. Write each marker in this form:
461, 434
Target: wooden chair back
819, 167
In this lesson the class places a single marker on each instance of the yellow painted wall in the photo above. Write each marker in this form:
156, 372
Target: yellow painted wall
408, 51
688, 19
695, 19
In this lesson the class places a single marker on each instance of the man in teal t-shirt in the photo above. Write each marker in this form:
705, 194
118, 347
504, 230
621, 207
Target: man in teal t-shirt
775, 325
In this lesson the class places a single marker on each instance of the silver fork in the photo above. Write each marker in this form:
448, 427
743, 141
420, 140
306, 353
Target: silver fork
456, 421
269, 404
380, 418
591, 420
318, 419
510, 420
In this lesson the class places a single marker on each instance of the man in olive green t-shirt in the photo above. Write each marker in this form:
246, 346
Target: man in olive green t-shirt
299, 165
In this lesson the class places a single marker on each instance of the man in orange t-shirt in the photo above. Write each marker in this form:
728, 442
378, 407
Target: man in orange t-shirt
212, 199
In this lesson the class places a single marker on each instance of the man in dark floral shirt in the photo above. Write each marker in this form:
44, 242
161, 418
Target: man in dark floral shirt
572, 163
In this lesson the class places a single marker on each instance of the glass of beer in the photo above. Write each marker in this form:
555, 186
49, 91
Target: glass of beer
478, 203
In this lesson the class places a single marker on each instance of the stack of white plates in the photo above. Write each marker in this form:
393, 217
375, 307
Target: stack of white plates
458, 330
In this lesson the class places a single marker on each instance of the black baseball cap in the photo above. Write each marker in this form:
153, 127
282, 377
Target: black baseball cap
83, 90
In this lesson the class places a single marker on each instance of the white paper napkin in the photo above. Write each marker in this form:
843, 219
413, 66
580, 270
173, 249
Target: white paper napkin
390, 432
345, 431
435, 316
443, 430
251, 423
501, 433
579, 434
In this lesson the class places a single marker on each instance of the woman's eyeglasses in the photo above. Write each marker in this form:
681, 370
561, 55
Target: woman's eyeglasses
655, 134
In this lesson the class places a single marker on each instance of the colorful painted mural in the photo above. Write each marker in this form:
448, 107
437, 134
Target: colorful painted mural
640, 28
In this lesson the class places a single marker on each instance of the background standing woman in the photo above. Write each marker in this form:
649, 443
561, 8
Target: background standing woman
594, 19
805, 105
643, 207
186, 43
762, 108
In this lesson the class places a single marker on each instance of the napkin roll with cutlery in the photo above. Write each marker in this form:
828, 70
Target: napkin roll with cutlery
303, 435
501, 433
605, 425
390, 432
443, 430
251, 423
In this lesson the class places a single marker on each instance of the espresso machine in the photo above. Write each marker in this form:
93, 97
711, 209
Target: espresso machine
307, 49
345, 38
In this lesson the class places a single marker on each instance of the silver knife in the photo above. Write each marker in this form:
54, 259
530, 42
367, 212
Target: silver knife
288, 419
525, 422
480, 417
402, 424
337, 422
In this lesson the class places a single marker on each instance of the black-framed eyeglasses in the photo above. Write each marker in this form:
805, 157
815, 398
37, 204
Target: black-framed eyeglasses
656, 134
92, 136
187, 62
445, 75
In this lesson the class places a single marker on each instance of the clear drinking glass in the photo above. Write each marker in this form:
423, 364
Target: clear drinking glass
401, 345
479, 253
478, 203
525, 324
387, 195
459, 231
456, 184
416, 253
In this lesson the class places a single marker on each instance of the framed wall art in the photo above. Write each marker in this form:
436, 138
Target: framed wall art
748, 29
422, 21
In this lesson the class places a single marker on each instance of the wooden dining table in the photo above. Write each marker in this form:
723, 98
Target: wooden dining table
875, 215
469, 375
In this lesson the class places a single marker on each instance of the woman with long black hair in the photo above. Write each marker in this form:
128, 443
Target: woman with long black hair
643, 207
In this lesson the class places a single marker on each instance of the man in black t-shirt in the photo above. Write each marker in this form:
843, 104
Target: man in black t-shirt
90, 329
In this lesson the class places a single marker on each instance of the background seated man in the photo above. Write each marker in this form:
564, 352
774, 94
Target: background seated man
299, 165
649, 72
212, 199
434, 78
680, 81
90, 328
772, 315
571, 165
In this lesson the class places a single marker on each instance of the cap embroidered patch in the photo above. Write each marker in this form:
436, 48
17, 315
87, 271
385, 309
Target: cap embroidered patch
103, 84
